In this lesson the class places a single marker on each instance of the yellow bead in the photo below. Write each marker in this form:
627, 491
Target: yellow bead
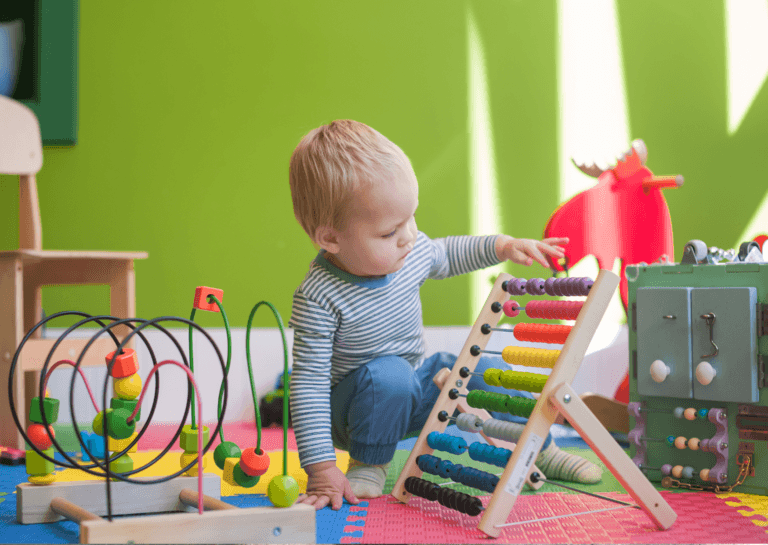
128, 387
42, 479
229, 470
188, 457
117, 445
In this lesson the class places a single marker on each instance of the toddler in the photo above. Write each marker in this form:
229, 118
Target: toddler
360, 381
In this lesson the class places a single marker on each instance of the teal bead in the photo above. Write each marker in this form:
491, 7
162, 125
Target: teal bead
702, 414
225, 450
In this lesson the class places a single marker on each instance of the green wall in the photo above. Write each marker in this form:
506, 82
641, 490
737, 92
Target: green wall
188, 115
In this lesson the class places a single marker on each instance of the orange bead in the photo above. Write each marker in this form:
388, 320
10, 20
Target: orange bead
201, 298
680, 442
254, 464
690, 413
694, 443
39, 437
677, 472
126, 364
704, 474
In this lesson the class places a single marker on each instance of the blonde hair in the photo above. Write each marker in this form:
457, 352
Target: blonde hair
332, 162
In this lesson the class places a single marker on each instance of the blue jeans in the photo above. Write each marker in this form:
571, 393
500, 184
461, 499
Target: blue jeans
386, 399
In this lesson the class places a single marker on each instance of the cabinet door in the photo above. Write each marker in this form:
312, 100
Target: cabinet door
734, 331
664, 334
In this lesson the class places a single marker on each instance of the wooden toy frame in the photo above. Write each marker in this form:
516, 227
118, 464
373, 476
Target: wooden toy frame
84, 501
556, 397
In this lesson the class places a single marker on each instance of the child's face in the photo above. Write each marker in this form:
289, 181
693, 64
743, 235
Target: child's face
380, 230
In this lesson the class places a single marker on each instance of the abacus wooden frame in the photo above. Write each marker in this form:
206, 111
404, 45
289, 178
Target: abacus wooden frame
557, 396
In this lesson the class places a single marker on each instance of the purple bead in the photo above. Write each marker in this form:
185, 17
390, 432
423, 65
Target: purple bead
666, 469
549, 285
585, 285
535, 286
516, 286
557, 287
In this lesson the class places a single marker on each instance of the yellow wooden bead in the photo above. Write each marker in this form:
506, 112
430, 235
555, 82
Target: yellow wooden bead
42, 479
188, 457
128, 387
117, 445
229, 470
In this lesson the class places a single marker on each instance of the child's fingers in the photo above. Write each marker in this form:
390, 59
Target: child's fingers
552, 241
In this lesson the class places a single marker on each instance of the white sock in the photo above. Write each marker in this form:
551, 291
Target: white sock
367, 481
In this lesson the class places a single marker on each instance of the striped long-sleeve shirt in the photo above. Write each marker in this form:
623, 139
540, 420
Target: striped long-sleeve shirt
342, 321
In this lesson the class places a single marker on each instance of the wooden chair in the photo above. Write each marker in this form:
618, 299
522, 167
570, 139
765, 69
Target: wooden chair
25, 271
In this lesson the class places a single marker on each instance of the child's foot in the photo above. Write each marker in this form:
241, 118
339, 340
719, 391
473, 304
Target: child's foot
557, 464
366, 481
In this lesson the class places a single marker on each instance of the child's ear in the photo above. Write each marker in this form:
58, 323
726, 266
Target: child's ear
326, 237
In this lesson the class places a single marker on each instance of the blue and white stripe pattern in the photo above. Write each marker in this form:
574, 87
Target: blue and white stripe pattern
342, 321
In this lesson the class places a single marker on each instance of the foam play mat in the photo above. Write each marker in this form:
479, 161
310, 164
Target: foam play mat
702, 517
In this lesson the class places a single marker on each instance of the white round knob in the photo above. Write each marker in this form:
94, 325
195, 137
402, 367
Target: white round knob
705, 373
659, 371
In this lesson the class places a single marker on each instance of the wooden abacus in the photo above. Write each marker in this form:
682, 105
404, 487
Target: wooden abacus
557, 396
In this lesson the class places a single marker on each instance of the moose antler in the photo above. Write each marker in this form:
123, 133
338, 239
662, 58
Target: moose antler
634, 158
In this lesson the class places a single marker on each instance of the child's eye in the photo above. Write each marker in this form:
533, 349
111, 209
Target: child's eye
389, 235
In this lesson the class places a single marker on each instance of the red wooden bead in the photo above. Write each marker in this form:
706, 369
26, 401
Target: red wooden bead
254, 464
201, 298
39, 437
126, 364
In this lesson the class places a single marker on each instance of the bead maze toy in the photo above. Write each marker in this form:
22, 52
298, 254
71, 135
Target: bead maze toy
44, 500
556, 397
698, 338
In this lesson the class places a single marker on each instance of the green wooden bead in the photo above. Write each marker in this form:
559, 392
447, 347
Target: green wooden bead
188, 438
130, 404
225, 450
37, 465
243, 479
122, 464
50, 406
283, 490
98, 423
117, 422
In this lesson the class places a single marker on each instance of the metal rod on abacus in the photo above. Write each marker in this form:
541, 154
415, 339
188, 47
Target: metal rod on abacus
560, 516
485, 329
476, 351
536, 477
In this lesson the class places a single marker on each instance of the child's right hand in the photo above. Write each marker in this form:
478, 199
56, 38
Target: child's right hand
327, 484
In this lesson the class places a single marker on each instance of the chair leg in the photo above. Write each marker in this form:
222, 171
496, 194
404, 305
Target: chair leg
11, 333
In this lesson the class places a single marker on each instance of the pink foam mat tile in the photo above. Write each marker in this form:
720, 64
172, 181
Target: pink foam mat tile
702, 518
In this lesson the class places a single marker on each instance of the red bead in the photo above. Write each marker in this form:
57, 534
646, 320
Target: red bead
126, 364
511, 308
39, 437
201, 298
254, 464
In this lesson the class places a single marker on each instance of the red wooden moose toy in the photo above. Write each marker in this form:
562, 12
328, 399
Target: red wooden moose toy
624, 215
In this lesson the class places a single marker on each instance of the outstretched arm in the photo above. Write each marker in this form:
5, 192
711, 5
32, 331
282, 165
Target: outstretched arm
525, 250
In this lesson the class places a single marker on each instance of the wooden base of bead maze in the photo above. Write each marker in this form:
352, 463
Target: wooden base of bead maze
85, 501
556, 397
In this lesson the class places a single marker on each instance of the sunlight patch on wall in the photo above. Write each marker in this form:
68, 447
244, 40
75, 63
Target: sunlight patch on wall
594, 126
483, 197
746, 31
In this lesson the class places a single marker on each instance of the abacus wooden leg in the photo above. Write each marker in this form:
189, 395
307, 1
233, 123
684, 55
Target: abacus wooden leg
439, 380
71, 511
189, 498
613, 456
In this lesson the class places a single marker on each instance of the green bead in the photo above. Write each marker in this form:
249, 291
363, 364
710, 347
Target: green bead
117, 421
122, 464
188, 438
243, 479
520, 406
130, 404
50, 406
37, 465
225, 450
98, 423
283, 491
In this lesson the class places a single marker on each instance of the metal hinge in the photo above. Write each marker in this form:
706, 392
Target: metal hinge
634, 365
634, 316
762, 320
761, 372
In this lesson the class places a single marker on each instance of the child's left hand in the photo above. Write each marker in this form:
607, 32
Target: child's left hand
525, 250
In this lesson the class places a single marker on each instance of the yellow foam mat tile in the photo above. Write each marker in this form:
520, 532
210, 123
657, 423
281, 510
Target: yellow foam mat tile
751, 506
169, 464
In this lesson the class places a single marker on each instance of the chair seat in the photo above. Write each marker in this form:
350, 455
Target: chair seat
32, 256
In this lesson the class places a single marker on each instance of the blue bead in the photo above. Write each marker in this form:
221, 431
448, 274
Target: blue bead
444, 467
